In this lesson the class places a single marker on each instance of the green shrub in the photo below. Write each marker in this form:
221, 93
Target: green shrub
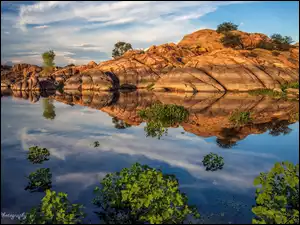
226, 27
39, 180
240, 118
160, 116
294, 85
96, 144
232, 40
38, 155
282, 43
142, 195
277, 198
266, 45
267, 92
55, 209
213, 162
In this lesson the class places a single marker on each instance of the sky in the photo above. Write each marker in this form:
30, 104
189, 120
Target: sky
82, 31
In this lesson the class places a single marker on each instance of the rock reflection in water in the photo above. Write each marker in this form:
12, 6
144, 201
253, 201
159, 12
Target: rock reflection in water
208, 112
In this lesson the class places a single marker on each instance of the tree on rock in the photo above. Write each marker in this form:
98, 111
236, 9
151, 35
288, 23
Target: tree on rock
48, 61
120, 48
232, 40
281, 42
226, 27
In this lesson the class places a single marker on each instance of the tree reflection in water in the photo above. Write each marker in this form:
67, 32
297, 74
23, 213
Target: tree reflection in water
120, 124
49, 109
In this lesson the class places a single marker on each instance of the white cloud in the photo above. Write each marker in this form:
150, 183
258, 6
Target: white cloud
99, 25
41, 27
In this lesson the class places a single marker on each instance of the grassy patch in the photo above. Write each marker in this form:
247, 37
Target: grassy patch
267, 92
160, 116
240, 118
290, 85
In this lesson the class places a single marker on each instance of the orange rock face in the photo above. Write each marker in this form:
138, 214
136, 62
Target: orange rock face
199, 62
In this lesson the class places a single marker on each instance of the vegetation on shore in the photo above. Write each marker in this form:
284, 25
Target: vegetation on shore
144, 195
160, 116
48, 62
239, 118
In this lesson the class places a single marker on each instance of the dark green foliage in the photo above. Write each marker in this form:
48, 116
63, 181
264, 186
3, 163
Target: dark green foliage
240, 118
277, 198
290, 85
120, 49
213, 162
142, 195
120, 124
96, 144
39, 180
232, 40
48, 61
282, 43
55, 209
267, 92
49, 109
279, 127
70, 65
225, 143
160, 116
38, 155
226, 27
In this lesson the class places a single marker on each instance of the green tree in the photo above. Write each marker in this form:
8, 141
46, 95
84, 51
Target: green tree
37, 154
213, 162
281, 42
39, 180
239, 118
277, 198
144, 195
232, 40
226, 27
49, 109
120, 48
55, 209
48, 61
160, 116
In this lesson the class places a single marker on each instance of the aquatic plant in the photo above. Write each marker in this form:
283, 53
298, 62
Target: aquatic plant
141, 194
39, 180
213, 162
96, 144
277, 198
55, 209
239, 118
160, 116
38, 155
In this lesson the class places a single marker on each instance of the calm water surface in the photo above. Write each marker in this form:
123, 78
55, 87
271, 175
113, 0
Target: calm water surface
69, 130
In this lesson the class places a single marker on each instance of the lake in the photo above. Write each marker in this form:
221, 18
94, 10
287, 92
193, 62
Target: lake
68, 125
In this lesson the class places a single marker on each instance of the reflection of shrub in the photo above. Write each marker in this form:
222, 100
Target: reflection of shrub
141, 195
39, 180
268, 92
49, 109
232, 40
294, 85
120, 124
213, 162
38, 155
225, 143
226, 27
240, 118
160, 116
96, 144
277, 198
55, 209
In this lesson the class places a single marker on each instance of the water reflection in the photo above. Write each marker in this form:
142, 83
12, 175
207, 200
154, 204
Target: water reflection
49, 109
208, 113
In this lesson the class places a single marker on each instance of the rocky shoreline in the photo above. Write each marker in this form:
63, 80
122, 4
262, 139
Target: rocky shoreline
198, 63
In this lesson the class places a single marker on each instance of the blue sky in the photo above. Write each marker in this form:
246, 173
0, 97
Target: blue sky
82, 31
